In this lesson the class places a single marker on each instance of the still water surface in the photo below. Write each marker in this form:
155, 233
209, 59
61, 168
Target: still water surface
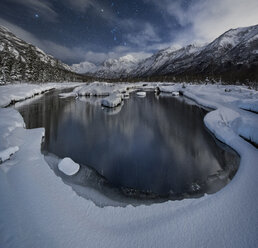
156, 146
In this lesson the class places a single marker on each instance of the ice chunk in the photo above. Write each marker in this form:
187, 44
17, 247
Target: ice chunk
141, 94
7, 153
175, 93
68, 166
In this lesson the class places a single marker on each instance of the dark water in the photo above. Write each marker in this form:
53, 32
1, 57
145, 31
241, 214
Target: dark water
156, 145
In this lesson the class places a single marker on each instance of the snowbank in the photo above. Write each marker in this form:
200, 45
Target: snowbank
38, 210
7, 153
18, 92
251, 105
68, 166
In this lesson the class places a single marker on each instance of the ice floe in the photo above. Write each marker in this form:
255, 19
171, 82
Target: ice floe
68, 166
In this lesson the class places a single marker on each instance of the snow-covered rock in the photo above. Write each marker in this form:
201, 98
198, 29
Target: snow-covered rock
112, 100
68, 167
100, 89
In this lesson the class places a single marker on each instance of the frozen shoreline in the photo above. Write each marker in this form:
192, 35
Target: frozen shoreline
38, 210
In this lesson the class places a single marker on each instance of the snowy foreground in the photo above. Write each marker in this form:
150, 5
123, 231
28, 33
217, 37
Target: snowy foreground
38, 210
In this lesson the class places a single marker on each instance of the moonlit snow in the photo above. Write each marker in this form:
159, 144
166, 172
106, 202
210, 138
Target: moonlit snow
7, 153
38, 210
68, 166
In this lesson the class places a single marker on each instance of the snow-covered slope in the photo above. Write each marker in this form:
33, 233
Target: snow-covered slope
159, 61
20, 61
116, 68
84, 67
233, 52
231, 57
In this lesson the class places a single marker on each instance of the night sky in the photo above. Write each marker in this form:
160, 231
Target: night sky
80, 30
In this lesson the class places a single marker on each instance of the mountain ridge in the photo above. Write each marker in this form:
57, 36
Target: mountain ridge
231, 57
21, 61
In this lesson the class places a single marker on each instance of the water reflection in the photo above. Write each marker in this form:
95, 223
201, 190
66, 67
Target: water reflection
152, 144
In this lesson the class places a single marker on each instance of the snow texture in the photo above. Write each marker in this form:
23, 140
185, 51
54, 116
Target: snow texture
68, 166
7, 153
38, 210
18, 92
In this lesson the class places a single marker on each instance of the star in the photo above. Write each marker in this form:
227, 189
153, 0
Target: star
36, 15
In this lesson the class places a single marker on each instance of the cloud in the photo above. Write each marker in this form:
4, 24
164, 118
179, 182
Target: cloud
43, 8
210, 19
56, 50
205, 20
74, 54
80, 5
144, 36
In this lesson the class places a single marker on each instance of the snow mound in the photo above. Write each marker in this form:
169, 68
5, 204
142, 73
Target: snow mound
68, 167
7, 153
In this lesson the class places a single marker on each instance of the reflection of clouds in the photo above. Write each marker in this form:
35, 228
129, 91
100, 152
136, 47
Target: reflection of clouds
147, 141
174, 131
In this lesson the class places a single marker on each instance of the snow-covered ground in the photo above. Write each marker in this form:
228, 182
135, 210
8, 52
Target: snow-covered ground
38, 210
18, 92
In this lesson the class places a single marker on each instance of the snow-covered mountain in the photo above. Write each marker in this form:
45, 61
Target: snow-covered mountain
20, 61
84, 67
116, 68
231, 57
170, 56
111, 68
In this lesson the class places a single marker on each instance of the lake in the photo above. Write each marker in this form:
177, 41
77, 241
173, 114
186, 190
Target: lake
148, 149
